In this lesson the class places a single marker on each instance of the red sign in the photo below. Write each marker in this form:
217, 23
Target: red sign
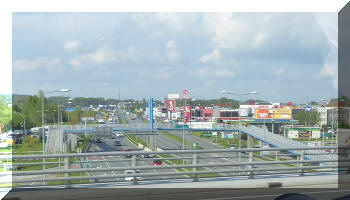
263, 106
170, 104
185, 92
262, 114
187, 113
290, 104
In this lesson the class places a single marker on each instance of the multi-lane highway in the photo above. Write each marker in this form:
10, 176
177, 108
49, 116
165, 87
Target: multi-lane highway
107, 144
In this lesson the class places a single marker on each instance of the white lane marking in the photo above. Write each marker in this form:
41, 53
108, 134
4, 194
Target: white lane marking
98, 148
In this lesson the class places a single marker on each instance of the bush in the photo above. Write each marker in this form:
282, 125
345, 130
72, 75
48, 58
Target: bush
30, 142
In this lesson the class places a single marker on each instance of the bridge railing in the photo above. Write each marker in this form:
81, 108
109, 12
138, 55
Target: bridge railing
195, 165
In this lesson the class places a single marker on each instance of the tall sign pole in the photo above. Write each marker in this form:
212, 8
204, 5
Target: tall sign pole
151, 113
150, 106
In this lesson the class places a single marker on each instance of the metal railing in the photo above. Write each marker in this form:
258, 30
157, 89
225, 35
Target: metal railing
195, 167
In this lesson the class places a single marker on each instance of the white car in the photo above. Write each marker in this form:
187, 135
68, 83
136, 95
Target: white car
131, 172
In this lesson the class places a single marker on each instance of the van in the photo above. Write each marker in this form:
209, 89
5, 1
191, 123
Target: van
131, 172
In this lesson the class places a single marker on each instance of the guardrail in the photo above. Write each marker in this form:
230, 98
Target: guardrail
195, 159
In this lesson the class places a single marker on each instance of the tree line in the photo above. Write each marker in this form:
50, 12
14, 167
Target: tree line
5, 112
27, 109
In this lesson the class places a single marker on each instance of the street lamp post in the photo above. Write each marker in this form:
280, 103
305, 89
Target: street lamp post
43, 123
240, 133
240, 99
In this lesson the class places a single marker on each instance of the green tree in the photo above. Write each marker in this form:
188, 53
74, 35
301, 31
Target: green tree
5, 113
308, 117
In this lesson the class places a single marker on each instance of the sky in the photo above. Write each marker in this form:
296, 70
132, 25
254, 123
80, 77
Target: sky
283, 56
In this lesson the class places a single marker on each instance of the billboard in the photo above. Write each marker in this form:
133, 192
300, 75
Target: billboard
170, 104
273, 114
173, 96
282, 113
262, 114
187, 113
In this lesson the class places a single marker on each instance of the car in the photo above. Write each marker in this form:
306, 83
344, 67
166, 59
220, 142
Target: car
232, 147
119, 135
131, 172
127, 155
117, 143
98, 140
147, 156
157, 162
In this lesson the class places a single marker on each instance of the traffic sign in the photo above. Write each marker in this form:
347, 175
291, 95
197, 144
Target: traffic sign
70, 109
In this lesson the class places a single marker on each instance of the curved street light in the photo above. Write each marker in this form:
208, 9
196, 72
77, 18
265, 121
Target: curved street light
239, 95
42, 120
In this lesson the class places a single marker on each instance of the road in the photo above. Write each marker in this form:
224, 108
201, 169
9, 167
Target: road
166, 143
205, 144
108, 145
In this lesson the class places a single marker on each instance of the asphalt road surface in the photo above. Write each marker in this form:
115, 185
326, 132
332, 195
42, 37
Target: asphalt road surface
108, 145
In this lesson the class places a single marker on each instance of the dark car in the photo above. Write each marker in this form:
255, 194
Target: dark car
157, 162
17, 140
146, 156
117, 143
98, 140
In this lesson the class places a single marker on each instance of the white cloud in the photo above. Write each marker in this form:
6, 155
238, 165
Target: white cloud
328, 71
71, 45
165, 73
75, 63
206, 72
224, 73
172, 21
158, 33
203, 72
103, 55
259, 40
172, 50
280, 71
171, 44
215, 55
265, 33
223, 29
40, 63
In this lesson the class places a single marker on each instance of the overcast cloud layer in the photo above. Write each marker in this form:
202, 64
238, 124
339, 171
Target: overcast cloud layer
283, 56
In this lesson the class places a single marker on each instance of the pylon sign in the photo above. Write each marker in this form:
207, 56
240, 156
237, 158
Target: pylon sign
171, 105
150, 106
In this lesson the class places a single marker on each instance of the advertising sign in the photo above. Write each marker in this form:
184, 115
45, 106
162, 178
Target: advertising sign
282, 113
70, 109
170, 104
173, 96
273, 114
263, 106
150, 106
187, 113
262, 114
